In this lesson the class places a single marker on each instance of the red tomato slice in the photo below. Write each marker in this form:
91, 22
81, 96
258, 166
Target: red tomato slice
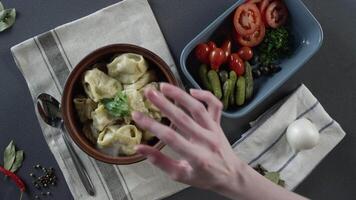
264, 4
247, 19
252, 40
276, 14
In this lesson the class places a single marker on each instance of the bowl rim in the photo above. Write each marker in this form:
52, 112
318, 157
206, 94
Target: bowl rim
68, 118
238, 113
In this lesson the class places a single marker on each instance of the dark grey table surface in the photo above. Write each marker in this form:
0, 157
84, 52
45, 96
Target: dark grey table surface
330, 75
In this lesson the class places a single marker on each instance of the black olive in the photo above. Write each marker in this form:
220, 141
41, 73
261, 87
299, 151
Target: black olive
265, 70
256, 73
276, 69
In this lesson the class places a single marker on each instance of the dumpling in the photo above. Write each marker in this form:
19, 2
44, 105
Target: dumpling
148, 77
98, 85
135, 100
90, 132
101, 118
127, 68
122, 137
153, 111
84, 107
147, 136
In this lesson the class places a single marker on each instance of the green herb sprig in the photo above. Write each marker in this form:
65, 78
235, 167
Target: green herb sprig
118, 106
7, 17
275, 45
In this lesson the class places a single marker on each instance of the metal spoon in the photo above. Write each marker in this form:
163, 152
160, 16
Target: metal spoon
49, 109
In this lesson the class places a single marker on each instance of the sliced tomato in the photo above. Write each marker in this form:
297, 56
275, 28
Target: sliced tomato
263, 5
252, 40
276, 14
247, 19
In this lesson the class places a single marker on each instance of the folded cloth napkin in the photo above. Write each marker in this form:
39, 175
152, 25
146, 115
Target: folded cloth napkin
265, 143
46, 61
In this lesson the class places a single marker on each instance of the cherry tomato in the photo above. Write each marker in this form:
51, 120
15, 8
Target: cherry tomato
252, 40
247, 19
237, 64
211, 45
217, 58
245, 53
262, 7
202, 53
226, 46
276, 14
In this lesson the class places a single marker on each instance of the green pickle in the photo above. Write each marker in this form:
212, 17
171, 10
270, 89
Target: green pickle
214, 81
227, 89
223, 76
240, 91
249, 80
203, 74
233, 78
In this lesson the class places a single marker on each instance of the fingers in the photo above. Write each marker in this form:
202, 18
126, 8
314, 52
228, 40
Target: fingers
195, 107
214, 105
178, 170
189, 128
166, 134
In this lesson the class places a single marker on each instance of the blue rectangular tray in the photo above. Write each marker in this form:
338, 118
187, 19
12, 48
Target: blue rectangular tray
308, 37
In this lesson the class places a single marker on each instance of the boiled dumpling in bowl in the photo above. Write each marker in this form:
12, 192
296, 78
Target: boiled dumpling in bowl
84, 107
127, 68
102, 118
146, 78
97, 85
119, 138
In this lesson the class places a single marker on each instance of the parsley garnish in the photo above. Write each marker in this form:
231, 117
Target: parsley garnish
117, 106
274, 46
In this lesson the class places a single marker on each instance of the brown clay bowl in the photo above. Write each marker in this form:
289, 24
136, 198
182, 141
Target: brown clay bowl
73, 87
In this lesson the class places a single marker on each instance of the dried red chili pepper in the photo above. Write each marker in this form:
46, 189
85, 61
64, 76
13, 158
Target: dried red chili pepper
15, 178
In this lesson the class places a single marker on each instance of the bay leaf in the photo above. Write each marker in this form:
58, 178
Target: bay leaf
281, 182
18, 161
9, 155
1, 6
273, 176
7, 18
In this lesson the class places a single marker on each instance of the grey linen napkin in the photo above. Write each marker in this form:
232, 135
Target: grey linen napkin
46, 61
265, 143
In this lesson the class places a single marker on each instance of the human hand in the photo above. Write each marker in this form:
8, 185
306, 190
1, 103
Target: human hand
207, 159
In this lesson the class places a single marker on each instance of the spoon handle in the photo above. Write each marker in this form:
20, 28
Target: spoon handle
83, 174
